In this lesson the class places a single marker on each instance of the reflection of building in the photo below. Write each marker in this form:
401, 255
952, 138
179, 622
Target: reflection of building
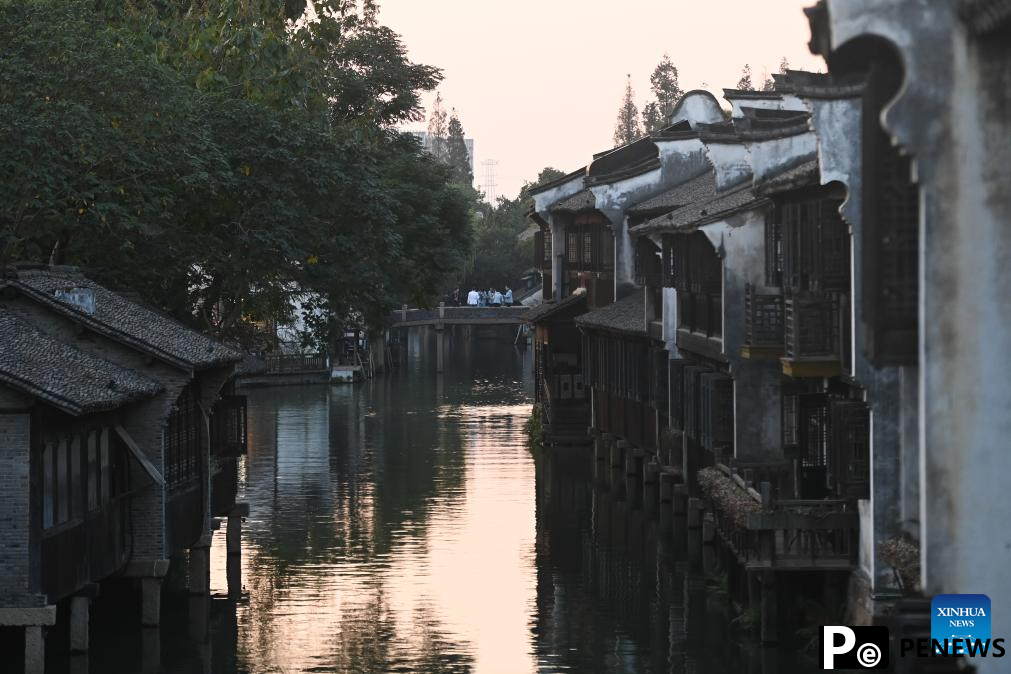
426, 142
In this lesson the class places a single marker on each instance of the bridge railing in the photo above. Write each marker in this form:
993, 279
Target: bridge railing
475, 314
296, 363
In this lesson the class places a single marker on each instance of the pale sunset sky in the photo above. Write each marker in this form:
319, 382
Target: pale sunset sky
538, 82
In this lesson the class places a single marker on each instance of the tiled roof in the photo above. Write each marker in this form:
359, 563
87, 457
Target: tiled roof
630, 159
682, 129
125, 320
804, 175
690, 191
822, 85
550, 307
68, 378
734, 94
702, 212
626, 315
580, 201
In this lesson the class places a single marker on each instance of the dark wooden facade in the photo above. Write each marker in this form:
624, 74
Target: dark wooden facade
588, 258
808, 253
627, 383
82, 470
691, 266
558, 370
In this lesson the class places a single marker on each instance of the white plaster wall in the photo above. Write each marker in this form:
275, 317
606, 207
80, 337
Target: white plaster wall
732, 164
697, 107
740, 241
948, 117
769, 157
548, 198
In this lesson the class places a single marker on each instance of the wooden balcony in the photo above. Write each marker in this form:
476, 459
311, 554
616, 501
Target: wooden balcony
763, 325
813, 324
780, 534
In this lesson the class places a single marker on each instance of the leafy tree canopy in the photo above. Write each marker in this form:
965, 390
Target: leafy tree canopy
220, 157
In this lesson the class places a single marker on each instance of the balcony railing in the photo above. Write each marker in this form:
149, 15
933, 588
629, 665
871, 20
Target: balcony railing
763, 323
763, 532
813, 323
296, 363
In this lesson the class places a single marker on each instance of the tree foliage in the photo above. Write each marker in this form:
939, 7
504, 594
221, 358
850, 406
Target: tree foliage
501, 256
457, 156
627, 128
666, 94
745, 84
218, 157
438, 129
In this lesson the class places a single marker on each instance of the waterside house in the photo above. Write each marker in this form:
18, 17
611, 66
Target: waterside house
119, 439
809, 318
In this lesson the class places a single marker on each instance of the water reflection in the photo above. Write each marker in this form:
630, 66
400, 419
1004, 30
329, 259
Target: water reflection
403, 525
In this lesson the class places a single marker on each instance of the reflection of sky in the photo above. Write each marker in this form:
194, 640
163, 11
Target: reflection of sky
392, 524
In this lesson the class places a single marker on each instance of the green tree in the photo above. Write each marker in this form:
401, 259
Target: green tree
744, 84
666, 94
218, 158
457, 155
438, 129
501, 257
627, 128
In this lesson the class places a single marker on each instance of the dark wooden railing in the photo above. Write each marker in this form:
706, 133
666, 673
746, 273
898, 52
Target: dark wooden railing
296, 363
813, 326
788, 533
763, 319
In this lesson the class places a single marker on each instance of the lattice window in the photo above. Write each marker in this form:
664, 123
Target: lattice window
546, 236
815, 246
812, 429
717, 408
572, 248
890, 250
184, 439
851, 448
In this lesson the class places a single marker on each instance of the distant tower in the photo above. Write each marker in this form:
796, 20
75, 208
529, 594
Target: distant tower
489, 185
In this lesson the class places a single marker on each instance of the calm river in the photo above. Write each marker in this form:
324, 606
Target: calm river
403, 525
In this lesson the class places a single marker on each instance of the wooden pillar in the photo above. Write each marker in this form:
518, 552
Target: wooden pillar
770, 613
35, 650
80, 610
440, 348
233, 547
150, 601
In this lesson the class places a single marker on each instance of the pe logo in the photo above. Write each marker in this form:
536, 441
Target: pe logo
854, 647
965, 617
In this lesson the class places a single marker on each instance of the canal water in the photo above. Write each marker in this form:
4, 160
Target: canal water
403, 525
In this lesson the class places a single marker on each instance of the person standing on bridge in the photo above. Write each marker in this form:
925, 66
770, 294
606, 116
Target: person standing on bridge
496, 299
473, 298
454, 299
508, 296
